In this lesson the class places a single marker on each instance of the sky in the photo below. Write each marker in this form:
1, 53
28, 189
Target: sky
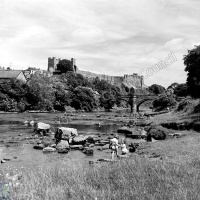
113, 37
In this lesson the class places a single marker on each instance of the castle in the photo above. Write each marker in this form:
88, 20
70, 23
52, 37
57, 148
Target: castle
133, 80
52, 64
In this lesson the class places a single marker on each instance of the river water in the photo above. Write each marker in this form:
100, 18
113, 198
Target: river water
22, 154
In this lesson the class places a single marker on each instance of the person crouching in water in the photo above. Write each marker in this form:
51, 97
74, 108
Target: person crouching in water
124, 149
114, 144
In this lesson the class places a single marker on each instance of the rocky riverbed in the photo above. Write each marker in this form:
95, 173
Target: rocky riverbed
20, 146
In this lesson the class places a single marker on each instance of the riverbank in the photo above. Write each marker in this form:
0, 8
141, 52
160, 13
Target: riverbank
166, 169
138, 177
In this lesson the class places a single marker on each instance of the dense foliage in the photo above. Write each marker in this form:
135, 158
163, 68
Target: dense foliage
181, 90
57, 92
156, 89
64, 66
192, 63
164, 101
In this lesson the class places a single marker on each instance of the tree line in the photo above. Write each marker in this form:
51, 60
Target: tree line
57, 92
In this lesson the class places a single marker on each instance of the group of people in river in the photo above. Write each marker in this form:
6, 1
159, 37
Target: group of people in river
115, 145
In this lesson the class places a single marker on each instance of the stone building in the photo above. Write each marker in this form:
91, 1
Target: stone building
133, 80
53, 61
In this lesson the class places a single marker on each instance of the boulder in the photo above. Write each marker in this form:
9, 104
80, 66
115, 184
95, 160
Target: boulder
38, 147
42, 128
125, 130
76, 147
7, 158
47, 141
62, 146
81, 139
64, 133
48, 149
88, 151
91, 139
53, 145
177, 135
3, 161
133, 147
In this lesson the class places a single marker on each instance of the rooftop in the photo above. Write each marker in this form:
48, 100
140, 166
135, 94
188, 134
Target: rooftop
9, 73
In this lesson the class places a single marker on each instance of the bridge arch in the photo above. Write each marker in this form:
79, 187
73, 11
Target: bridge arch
141, 102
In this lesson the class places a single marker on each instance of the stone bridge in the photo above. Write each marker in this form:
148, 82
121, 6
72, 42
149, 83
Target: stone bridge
136, 100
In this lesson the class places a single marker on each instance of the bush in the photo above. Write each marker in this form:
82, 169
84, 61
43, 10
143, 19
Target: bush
164, 101
196, 126
157, 132
185, 105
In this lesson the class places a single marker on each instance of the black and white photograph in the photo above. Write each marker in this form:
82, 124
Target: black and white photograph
99, 100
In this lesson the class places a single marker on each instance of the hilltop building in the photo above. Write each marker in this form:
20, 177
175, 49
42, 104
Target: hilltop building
133, 80
52, 64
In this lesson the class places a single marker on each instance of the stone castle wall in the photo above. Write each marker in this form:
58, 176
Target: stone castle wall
133, 80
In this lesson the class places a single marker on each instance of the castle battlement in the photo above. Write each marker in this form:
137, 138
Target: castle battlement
129, 80
53, 61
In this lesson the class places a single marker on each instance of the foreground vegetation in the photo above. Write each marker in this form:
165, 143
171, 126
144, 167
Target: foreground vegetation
137, 178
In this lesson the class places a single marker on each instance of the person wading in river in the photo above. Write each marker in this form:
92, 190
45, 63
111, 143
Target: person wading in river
114, 144
124, 149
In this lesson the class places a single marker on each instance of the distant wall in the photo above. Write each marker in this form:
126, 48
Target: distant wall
133, 80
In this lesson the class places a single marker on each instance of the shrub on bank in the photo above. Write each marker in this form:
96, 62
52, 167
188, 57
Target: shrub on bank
196, 126
157, 132
136, 178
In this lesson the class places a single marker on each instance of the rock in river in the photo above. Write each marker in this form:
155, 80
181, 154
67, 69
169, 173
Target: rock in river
48, 149
38, 147
64, 133
88, 151
62, 146
76, 147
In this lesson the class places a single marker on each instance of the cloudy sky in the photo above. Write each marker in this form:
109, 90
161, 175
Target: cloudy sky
113, 37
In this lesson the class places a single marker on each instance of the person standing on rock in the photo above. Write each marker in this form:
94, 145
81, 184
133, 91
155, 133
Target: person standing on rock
114, 144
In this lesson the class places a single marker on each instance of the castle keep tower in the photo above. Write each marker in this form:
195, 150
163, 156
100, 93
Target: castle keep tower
53, 61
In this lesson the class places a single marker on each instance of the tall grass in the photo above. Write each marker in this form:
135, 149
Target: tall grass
134, 179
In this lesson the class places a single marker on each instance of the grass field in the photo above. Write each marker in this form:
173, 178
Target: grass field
174, 173
137, 178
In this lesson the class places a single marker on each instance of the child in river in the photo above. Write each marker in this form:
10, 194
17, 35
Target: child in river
124, 149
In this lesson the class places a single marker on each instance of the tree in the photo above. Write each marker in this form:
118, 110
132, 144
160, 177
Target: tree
62, 99
173, 86
181, 90
164, 101
157, 89
83, 99
65, 66
72, 80
40, 94
192, 63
